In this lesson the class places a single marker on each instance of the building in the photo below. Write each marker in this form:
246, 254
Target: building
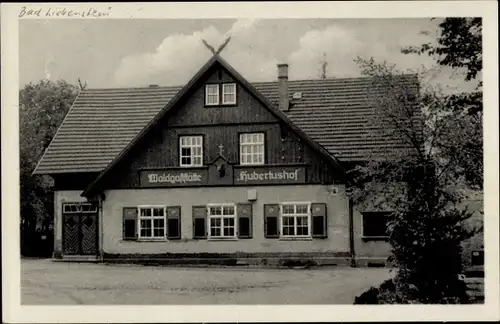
219, 169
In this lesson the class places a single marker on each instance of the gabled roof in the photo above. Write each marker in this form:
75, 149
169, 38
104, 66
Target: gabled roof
101, 122
172, 103
332, 112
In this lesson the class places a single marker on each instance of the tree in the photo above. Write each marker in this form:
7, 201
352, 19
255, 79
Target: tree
427, 225
421, 184
459, 45
42, 107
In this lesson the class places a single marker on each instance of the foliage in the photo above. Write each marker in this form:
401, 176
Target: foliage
42, 107
421, 183
396, 291
459, 45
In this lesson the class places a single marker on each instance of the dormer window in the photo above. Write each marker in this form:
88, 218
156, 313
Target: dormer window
212, 94
220, 94
229, 93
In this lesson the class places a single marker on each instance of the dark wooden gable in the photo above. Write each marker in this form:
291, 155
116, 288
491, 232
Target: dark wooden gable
158, 148
248, 109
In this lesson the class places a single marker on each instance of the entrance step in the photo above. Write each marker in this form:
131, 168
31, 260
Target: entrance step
79, 258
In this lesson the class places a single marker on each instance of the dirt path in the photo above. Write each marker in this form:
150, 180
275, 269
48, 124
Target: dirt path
46, 282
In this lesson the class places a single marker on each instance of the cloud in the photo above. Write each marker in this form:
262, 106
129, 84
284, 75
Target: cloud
179, 57
336, 45
175, 58
257, 46
339, 46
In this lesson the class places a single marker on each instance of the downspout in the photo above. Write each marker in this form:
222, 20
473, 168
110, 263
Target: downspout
351, 234
100, 199
57, 246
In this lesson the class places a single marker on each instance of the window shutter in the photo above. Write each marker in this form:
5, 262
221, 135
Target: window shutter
319, 220
244, 212
173, 222
271, 220
130, 223
199, 222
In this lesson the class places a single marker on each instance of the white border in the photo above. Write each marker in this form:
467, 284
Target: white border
13, 312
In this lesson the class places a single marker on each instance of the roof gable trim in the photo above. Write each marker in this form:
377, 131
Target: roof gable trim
181, 94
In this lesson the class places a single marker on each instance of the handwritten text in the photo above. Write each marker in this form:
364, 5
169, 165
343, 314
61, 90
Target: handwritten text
63, 12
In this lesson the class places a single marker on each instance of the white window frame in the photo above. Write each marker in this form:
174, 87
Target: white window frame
363, 228
151, 218
222, 217
215, 85
191, 146
79, 208
224, 102
296, 215
252, 145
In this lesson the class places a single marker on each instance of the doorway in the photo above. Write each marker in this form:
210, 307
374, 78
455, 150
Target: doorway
80, 228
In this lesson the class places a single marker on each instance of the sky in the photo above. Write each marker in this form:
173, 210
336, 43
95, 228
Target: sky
140, 52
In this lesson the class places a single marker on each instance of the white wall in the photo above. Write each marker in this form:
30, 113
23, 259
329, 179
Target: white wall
337, 208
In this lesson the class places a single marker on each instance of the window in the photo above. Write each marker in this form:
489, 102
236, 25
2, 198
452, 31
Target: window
295, 220
191, 151
152, 222
76, 208
252, 148
212, 94
229, 93
224, 94
375, 224
222, 221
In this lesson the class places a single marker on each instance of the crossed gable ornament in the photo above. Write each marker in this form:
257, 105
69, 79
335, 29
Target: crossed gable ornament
212, 49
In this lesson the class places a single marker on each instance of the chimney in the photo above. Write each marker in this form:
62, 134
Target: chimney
283, 87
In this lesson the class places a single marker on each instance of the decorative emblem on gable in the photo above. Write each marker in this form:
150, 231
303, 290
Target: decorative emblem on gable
212, 49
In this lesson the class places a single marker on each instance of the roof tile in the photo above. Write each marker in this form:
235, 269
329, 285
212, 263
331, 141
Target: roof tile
101, 122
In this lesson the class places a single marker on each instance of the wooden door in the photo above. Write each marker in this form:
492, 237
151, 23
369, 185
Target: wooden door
71, 238
88, 233
79, 229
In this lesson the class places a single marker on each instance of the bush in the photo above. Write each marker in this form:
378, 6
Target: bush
394, 291
36, 243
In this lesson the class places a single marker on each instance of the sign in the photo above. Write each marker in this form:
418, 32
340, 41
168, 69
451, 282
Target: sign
269, 175
255, 175
173, 178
